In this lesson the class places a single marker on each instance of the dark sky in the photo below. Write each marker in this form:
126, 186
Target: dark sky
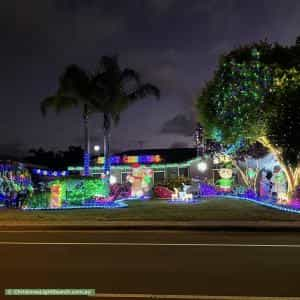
175, 44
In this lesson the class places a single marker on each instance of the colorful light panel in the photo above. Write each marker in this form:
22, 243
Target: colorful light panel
131, 159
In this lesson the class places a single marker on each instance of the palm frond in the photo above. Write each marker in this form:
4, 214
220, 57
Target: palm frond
129, 75
144, 91
58, 103
75, 81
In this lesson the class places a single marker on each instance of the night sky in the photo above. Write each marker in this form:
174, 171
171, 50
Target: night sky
174, 44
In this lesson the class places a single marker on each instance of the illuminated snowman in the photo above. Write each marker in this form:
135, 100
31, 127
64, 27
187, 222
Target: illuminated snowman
225, 183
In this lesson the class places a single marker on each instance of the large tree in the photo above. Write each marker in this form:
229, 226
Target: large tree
254, 96
108, 90
115, 90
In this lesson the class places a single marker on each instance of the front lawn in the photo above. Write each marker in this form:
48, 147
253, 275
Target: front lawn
217, 209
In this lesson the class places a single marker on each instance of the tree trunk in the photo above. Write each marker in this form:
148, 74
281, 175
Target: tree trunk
86, 158
106, 128
292, 174
242, 173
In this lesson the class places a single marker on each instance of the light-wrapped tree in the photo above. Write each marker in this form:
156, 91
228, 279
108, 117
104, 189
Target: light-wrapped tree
254, 95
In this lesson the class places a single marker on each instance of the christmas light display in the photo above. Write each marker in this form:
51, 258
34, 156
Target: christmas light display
131, 159
68, 192
181, 196
162, 192
51, 173
202, 166
225, 183
141, 181
207, 189
56, 195
15, 181
254, 96
86, 163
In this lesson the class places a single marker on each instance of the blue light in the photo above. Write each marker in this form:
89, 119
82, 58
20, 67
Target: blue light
49, 173
86, 163
109, 205
260, 202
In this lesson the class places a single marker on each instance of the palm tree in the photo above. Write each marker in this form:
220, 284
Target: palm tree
74, 90
115, 89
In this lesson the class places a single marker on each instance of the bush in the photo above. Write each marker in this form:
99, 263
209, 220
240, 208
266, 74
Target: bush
175, 182
40, 200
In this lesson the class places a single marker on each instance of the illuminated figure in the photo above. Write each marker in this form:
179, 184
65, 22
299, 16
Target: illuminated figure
225, 183
279, 185
182, 196
141, 181
55, 198
264, 186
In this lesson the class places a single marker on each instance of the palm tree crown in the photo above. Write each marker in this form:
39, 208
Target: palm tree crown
115, 89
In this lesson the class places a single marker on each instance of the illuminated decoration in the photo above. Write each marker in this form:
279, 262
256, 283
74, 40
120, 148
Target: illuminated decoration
131, 159
282, 198
162, 192
239, 90
70, 192
207, 189
199, 139
216, 160
86, 163
56, 195
181, 196
279, 185
239, 190
202, 166
234, 147
221, 158
14, 178
251, 173
112, 179
107, 205
217, 135
96, 148
141, 181
282, 208
225, 183
264, 186
50, 173
250, 194
126, 168
120, 190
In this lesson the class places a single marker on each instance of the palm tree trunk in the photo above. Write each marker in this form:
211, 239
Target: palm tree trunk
106, 128
86, 158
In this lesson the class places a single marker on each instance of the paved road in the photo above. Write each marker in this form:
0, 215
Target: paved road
169, 263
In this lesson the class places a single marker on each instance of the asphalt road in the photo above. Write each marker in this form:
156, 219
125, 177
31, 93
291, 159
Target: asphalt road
151, 263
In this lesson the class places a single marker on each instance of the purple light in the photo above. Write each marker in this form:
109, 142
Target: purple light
207, 190
250, 193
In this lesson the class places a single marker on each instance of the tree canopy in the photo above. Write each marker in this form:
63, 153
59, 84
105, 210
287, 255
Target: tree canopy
255, 95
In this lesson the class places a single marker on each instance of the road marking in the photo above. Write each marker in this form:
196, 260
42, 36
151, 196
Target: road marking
150, 244
189, 297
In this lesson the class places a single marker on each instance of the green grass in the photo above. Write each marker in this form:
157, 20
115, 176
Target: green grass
152, 210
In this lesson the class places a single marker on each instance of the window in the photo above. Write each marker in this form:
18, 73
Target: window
158, 177
172, 172
184, 172
124, 177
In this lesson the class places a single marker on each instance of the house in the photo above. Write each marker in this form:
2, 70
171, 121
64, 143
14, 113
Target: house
165, 163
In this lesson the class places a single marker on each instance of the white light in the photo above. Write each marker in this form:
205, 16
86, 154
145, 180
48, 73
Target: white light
112, 179
96, 148
216, 160
202, 166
